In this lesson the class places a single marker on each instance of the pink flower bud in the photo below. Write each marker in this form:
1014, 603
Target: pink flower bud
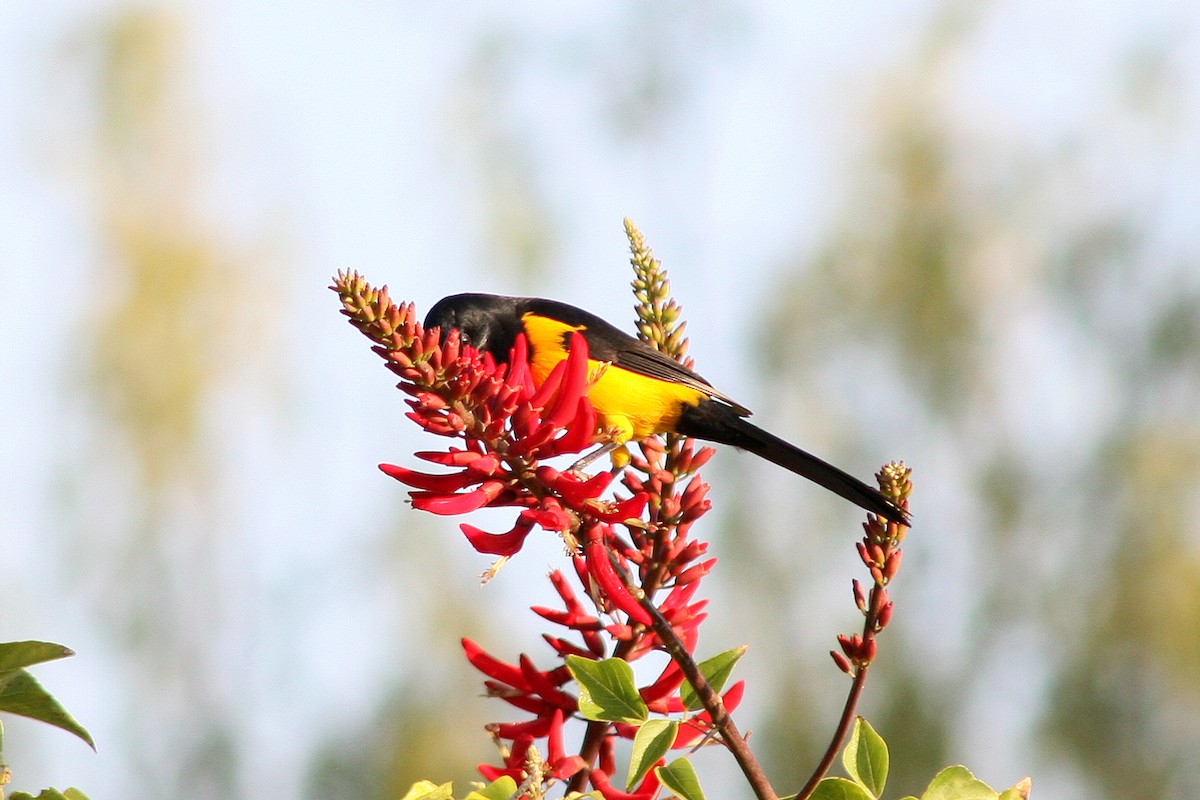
884, 617
860, 597
892, 565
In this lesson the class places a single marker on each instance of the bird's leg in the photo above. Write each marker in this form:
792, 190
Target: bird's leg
603, 450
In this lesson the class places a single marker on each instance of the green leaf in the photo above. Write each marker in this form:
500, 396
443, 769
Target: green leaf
428, 790
503, 788
75, 794
16, 655
651, 743
716, 671
607, 692
957, 783
866, 758
24, 696
839, 789
680, 779
46, 794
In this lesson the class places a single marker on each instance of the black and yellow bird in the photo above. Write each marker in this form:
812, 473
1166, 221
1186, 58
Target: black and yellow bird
640, 392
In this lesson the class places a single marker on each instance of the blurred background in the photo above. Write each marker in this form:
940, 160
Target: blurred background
964, 234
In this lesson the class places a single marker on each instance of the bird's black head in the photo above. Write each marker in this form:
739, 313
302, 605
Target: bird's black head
488, 322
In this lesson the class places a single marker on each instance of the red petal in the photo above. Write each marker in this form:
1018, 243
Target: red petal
626, 509
549, 386
574, 383
485, 466
493, 667
600, 568
543, 685
455, 457
519, 375
554, 743
576, 490
451, 482
647, 790
550, 515
537, 728
447, 505
567, 767
498, 544
668, 681
495, 773
581, 431
533, 441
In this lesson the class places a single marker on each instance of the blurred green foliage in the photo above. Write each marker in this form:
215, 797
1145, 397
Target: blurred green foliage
949, 244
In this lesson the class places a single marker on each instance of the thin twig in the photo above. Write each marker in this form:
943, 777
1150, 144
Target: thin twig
839, 736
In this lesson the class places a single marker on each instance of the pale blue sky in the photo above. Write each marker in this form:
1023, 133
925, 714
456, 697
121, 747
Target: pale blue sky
348, 136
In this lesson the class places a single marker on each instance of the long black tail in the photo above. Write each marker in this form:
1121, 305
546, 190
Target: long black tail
717, 422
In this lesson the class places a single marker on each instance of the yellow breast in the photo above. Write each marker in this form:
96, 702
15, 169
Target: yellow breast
629, 405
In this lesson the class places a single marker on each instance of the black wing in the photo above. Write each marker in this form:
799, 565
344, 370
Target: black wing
608, 343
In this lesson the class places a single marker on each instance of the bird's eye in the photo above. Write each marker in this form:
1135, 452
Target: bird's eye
464, 337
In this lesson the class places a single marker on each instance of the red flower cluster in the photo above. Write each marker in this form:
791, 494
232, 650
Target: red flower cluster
507, 423
540, 692
508, 426
604, 567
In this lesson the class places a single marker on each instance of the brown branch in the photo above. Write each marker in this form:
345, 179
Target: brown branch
839, 736
712, 704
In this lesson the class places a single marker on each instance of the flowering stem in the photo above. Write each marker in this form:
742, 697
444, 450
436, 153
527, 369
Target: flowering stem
712, 704
839, 736
589, 751
593, 736
880, 552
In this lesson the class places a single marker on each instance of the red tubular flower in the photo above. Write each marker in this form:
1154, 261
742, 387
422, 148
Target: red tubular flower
514, 765
619, 512
498, 544
456, 392
574, 384
495, 409
493, 667
693, 574
596, 553
646, 790
562, 766
700, 724
544, 685
533, 728
442, 484
565, 648
452, 504
524, 702
655, 695
550, 515
550, 726
573, 488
